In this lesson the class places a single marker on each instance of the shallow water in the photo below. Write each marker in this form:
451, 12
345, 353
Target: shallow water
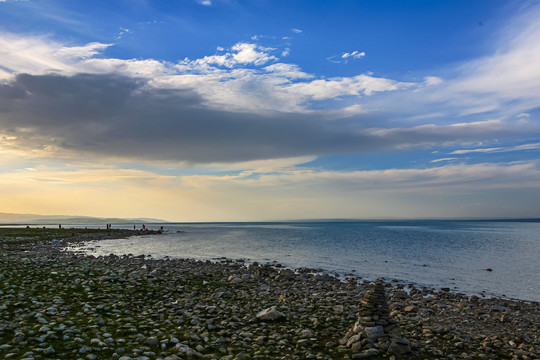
452, 254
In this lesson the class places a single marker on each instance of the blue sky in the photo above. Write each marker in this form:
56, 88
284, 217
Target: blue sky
261, 110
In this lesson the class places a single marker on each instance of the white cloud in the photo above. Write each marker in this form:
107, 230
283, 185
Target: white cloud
83, 52
287, 71
205, 2
353, 55
506, 81
533, 146
345, 57
502, 84
247, 54
432, 80
240, 54
137, 68
296, 31
443, 159
123, 31
513, 70
483, 150
349, 86
239, 78
40, 55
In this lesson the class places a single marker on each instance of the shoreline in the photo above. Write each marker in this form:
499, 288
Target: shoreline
90, 250
64, 305
455, 281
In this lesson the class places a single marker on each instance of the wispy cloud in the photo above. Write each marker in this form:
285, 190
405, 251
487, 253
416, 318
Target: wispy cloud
40, 55
281, 190
432, 80
346, 56
533, 146
507, 81
443, 159
353, 55
123, 32
82, 52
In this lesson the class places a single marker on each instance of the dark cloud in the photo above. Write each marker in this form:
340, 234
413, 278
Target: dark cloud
111, 115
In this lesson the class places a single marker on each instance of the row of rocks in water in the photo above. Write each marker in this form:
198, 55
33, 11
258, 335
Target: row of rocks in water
56, 304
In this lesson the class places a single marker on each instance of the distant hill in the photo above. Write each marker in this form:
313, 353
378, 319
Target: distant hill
7, 218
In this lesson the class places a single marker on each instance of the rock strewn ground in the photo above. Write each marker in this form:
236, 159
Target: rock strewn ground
62, 305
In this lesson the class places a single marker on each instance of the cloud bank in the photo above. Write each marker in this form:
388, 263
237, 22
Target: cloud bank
121, 117
243, 103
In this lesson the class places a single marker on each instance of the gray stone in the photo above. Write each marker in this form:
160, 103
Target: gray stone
399, 346
374, 332
44, 329
353, 339
366, 354
84, 349
242, 356
151, 341
270, 314
395, 332
19, 337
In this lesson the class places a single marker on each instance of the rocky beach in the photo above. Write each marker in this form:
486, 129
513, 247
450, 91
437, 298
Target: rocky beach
65, 305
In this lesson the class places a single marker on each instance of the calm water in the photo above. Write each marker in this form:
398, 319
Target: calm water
451, 254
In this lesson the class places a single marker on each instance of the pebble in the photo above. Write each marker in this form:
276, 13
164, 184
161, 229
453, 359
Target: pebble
61, 304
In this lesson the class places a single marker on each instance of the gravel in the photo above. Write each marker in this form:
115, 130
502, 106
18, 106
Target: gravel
64, 305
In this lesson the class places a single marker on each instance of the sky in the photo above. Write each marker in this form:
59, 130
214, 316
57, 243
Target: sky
232, 110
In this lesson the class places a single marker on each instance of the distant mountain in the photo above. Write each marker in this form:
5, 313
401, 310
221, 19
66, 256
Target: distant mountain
7, 218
